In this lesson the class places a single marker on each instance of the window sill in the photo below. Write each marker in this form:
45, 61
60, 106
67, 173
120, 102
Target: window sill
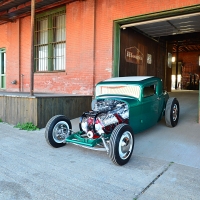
58, 71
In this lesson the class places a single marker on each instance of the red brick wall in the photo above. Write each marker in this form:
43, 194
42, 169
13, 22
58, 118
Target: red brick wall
9, 39
78, 78
110, 10
79, 30
25, 54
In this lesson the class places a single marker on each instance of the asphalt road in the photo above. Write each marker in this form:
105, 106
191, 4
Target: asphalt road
165, 164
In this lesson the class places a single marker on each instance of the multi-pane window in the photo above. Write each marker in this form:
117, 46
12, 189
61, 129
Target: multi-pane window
2, 69
50, 41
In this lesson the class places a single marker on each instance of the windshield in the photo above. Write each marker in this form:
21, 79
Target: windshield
128, 90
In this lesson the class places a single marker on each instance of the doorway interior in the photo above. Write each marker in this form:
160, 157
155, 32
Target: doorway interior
177, 34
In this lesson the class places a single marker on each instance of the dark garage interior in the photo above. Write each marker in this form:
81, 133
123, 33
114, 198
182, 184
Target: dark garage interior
168, 48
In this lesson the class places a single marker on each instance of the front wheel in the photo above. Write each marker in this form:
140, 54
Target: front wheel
56, 131
172, 112
121, 144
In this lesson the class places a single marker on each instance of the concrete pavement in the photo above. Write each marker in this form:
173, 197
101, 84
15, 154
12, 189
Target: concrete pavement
165, 164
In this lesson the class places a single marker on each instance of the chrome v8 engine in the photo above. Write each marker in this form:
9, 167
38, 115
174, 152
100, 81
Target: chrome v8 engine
104, 117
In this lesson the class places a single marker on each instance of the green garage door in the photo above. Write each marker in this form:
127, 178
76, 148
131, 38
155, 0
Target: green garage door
2, 69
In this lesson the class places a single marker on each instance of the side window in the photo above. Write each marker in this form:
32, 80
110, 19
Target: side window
149, 91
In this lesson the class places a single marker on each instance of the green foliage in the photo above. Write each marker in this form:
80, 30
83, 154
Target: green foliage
1, 120
29, 126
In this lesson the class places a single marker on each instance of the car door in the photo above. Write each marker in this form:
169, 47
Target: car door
150, 106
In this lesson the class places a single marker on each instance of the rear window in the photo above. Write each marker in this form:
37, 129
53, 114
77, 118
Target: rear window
130, 90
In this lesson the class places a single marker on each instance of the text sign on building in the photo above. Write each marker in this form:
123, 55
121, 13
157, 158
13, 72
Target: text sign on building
133, 55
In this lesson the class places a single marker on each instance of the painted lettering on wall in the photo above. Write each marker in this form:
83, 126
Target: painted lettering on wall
134, 55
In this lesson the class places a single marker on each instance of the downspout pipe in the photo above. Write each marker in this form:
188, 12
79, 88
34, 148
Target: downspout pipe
20, 69
94, 50
32, 46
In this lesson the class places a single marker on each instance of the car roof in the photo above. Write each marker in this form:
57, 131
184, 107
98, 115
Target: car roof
128, 78
140, 80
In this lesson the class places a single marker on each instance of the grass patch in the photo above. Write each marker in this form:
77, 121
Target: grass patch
29, 126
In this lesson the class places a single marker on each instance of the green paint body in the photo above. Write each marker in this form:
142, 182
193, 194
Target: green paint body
144, 111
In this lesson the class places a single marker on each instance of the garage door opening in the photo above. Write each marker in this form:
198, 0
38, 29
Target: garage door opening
147, 47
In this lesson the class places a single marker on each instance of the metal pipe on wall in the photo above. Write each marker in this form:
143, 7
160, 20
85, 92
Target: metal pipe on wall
32, 46
22, 89
94, 49
19, 42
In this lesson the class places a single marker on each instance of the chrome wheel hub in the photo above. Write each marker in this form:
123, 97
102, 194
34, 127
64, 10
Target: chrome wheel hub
60, 131
175, 112
125, 145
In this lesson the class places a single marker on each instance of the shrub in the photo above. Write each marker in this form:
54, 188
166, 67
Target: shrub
29, 126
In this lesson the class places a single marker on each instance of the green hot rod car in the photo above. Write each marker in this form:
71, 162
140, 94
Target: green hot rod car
122, 107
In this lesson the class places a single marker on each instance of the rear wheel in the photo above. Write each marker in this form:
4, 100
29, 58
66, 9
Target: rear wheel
57, 129
172, 112
121, 144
